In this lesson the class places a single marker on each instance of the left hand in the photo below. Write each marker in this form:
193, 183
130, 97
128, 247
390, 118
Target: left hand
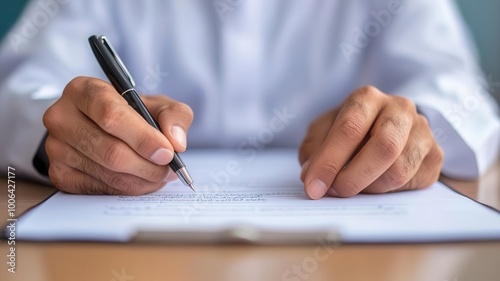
372, 143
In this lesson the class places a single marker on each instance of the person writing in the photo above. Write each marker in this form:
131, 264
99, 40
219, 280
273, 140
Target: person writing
375, 95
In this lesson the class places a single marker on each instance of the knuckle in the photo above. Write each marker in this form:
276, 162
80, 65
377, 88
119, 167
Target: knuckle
64, 185
81, 188
97, 188
182, 111
60, 176
398, 125
369, 172
111, 116
93, 189
117, 181
52, 118
51, 147
88, 139
355, 107
387, 147
114, 156
85, 88
423, 121
351, 129
108, 190
88, 166
434, 164
146, 143
79, 80
55, 176
348, 188
133, 187
63, 180
406, 104
329, 168
75, 85
182, 107
434, 160
369, 91
398, 175
439, 156
92, 86
89, 90
411, 158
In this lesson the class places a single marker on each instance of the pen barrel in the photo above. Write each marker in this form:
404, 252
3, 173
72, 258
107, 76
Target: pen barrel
176, 163
138, 105
121, 79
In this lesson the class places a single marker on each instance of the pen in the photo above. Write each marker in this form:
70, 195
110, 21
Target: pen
123, 82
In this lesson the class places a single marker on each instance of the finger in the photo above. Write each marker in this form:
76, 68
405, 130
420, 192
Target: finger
103, 105
305, 169
315, 136
74, 181
388, 138
174, 119
346, 134
126, 183
407, 165
429, 171
99, 146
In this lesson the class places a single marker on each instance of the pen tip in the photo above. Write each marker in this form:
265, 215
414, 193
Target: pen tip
192, 187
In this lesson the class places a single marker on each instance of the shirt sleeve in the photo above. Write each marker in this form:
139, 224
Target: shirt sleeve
422, 51
44, 50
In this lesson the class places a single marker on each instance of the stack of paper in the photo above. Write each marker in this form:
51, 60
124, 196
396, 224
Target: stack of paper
259, 198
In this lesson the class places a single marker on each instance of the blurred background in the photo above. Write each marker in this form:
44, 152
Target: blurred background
482, 16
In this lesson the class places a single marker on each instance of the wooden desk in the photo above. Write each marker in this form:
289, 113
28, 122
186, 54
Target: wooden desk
119, 262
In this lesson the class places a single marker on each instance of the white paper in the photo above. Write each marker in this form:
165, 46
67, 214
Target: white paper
260, 191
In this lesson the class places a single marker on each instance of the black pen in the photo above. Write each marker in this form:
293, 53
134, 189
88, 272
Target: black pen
121, 79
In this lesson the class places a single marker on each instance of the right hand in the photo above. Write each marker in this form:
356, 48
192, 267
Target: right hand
98, 144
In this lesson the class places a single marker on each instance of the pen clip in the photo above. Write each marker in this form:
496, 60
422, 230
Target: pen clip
106, 43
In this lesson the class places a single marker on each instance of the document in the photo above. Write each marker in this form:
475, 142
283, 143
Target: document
255, 195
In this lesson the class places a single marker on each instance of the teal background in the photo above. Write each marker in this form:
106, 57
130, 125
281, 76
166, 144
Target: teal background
9, 11
482, 16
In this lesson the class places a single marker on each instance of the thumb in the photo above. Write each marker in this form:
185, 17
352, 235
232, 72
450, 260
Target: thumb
173, 117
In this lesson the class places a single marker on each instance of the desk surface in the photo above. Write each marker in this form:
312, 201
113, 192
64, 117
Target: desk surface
128, 262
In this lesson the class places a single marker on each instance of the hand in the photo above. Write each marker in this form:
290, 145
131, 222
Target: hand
98, 144
372, 143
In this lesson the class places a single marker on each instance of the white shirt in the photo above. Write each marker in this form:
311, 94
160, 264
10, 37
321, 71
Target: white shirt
255, 72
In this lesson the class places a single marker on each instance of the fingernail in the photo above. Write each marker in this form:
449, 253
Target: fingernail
316, 189
179, 135
332, 192
162, 156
